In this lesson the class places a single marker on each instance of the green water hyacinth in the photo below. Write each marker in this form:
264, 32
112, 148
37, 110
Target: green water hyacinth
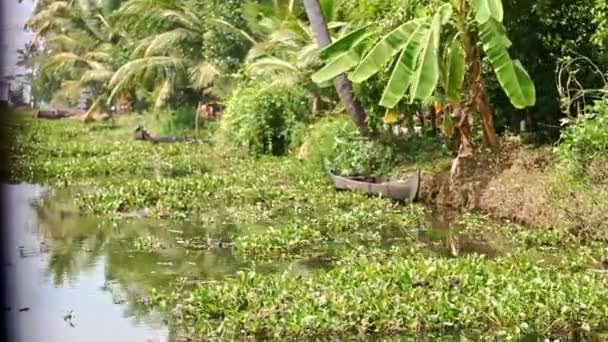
415, 296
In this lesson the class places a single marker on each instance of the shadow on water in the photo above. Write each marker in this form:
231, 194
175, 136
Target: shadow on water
84, 279
444, 237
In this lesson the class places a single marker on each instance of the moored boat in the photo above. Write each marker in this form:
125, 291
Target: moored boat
401, 190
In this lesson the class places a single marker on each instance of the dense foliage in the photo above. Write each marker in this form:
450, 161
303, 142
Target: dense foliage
264, 118
585, 141
477, 278
397, 86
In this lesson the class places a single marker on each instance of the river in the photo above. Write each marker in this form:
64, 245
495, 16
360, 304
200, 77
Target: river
75, 278
49, 305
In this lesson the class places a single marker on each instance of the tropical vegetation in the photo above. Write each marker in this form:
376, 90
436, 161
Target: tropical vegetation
503, 106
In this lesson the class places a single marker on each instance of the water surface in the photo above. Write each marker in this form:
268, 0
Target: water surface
81, 278
45, 286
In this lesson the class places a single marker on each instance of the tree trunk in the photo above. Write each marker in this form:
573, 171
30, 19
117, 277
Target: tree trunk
462, 126
316, 104
343, 85
479, 102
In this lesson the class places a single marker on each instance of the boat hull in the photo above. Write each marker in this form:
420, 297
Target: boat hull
406, 191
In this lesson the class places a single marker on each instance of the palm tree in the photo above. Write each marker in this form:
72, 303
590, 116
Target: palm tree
343, 85
81, 45
170, 54
283, 50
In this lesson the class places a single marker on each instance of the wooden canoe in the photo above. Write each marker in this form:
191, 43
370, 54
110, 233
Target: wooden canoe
141, 133
406, 190
54, 114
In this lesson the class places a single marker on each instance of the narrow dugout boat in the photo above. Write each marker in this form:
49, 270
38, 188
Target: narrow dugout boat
400, 190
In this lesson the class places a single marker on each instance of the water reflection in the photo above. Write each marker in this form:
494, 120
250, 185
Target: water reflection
102, 270
49, 279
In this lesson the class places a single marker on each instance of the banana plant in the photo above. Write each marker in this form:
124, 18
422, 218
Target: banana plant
425, 60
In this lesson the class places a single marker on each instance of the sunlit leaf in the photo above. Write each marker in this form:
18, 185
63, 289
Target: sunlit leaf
511, 75
389, 46
455, 72
426, 76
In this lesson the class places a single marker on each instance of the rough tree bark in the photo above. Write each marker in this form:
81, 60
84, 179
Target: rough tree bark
478, 100
343, 85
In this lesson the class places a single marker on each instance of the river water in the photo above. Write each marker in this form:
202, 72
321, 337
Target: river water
51, 302
75, 278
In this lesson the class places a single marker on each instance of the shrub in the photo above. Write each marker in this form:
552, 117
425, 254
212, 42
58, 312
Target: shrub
585, 140
327, 138
337, 138
172, 121
263, 119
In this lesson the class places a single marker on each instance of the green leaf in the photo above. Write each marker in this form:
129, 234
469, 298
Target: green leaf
327, 7
511, 75
445, 11
343, 44
455, 71
426, 76
486, 9
342, 63
401, 78
525, 82
388, 47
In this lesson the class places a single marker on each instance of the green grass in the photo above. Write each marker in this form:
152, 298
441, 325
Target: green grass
279, 209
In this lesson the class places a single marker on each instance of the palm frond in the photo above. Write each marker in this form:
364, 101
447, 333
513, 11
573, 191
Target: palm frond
151, 14
96, 76
203, 75
167, 41
232, 28
130, 75
163, 93
141, 47
98, 56
69, 92
284, 37
64, 42
222, 87
256, 51
62, 62
336, 25
308, 57
268, 65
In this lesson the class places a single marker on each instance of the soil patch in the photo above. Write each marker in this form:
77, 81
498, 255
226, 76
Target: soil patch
510, 184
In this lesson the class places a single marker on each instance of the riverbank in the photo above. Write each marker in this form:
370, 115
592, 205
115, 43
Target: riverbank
388, 268
528, 186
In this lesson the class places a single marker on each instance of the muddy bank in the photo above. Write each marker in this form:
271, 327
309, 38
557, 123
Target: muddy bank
520, 184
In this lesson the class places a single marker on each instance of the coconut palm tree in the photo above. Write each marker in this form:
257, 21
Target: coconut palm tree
81, 45
170, 53
343, 86
283, 50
